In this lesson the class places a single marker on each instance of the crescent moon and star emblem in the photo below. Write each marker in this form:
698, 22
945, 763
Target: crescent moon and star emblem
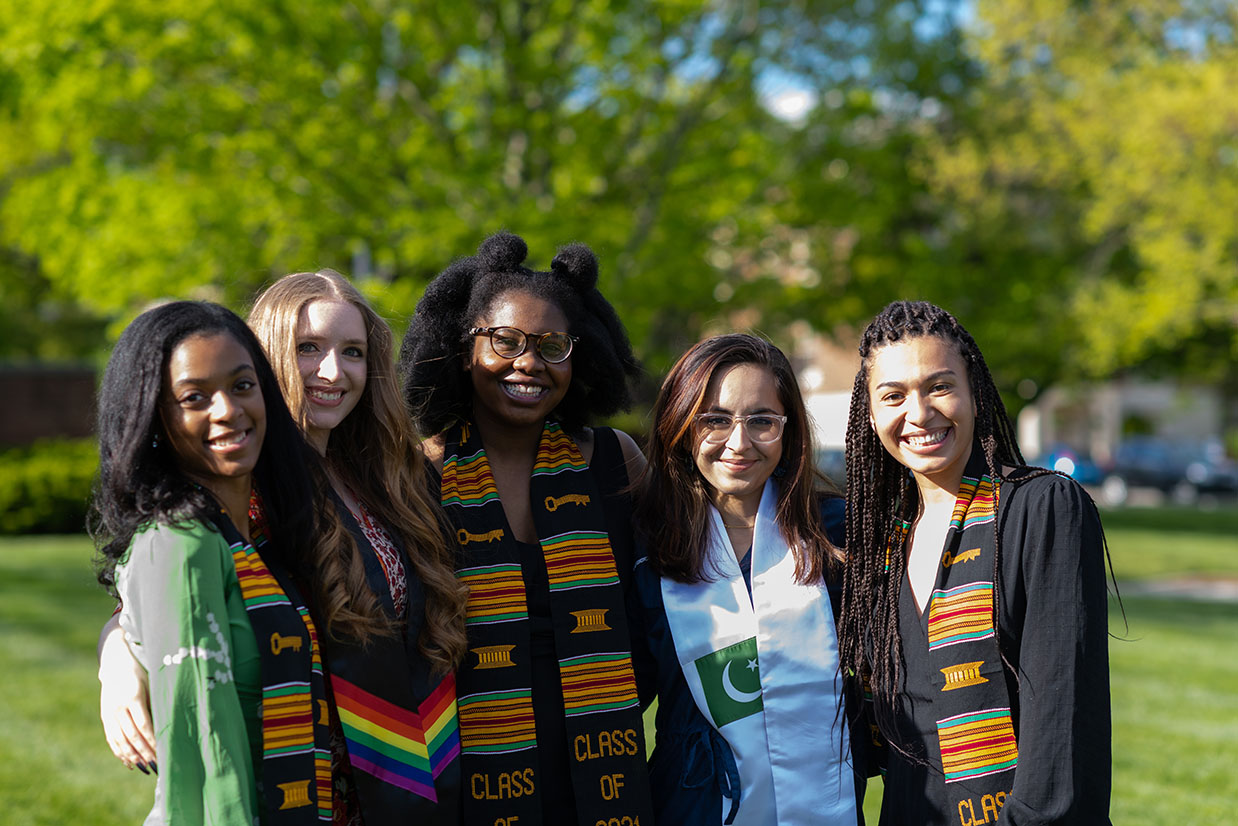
725, 701
733, 692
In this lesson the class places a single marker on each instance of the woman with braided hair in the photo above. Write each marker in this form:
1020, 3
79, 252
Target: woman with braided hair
503, 368
974, 593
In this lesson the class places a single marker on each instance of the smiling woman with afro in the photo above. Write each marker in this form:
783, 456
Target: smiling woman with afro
503, 368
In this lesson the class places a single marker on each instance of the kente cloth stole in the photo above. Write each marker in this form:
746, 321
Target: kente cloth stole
605, 731
398, 717
975, 730
764, 672
295, 777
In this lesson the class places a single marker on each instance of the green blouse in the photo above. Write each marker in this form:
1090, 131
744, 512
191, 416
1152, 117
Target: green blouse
185, 622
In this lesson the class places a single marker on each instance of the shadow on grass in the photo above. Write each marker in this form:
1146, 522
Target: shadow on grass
1221, 522
53, 596
1176, 611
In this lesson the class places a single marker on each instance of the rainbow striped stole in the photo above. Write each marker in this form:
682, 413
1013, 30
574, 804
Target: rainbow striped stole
398, 717
401, 747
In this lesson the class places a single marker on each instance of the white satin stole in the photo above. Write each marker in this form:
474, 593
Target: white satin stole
793, 755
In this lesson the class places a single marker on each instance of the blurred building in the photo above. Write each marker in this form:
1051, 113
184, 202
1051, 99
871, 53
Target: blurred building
42, 401
1097, 417
826, 370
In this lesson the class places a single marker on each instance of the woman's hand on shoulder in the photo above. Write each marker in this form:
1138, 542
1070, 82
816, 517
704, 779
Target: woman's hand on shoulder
433, 448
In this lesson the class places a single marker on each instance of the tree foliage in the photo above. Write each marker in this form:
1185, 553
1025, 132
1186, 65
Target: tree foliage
184, 149
1112, 130
1055, 172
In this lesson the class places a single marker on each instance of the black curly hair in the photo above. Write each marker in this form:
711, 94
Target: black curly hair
139, 481
437, 345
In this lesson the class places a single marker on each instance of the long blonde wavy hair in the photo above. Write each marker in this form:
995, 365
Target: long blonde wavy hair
374, 452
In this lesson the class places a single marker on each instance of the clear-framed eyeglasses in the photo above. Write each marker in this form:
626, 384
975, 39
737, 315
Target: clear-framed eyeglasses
510, 342
761, 427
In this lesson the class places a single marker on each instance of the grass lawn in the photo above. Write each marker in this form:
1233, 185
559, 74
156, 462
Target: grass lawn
1169, 768
1175, 675
57, 767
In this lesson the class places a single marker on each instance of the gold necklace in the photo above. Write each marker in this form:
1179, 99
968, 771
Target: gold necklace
749, 525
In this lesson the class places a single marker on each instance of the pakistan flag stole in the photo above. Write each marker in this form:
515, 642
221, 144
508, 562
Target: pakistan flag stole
498, 744
764, 672
975, 731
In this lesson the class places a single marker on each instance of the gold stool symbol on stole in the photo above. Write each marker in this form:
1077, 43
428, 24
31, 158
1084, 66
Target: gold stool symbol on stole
591, 619
494, 656
963, 675
296, 794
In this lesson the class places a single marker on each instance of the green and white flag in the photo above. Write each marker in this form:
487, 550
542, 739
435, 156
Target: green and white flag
731, 681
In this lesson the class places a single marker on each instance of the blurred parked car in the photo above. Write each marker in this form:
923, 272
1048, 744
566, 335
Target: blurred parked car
1180, 470
833, 463
1074, 463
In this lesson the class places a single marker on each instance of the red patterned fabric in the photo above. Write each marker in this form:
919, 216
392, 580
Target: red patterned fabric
388, 556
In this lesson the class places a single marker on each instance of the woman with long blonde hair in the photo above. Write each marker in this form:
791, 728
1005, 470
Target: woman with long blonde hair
366, 437
332, 354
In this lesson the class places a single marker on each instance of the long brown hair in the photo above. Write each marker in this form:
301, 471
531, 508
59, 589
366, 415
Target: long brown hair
673, 501
374, 452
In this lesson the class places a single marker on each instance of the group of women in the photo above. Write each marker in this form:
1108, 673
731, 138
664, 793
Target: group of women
358, 591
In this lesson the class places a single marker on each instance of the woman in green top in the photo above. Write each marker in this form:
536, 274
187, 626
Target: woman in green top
191, 428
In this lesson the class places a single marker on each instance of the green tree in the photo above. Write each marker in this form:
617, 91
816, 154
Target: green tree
173, 148
1111, 131
38, 323
858, 217
177, 148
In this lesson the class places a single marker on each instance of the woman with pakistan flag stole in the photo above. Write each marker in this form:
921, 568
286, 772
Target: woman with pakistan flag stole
503, 367
734, 601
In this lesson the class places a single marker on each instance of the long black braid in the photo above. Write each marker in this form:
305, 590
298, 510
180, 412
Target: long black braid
882, 495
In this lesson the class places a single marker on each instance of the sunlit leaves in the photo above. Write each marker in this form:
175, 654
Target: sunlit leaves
1121, 120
